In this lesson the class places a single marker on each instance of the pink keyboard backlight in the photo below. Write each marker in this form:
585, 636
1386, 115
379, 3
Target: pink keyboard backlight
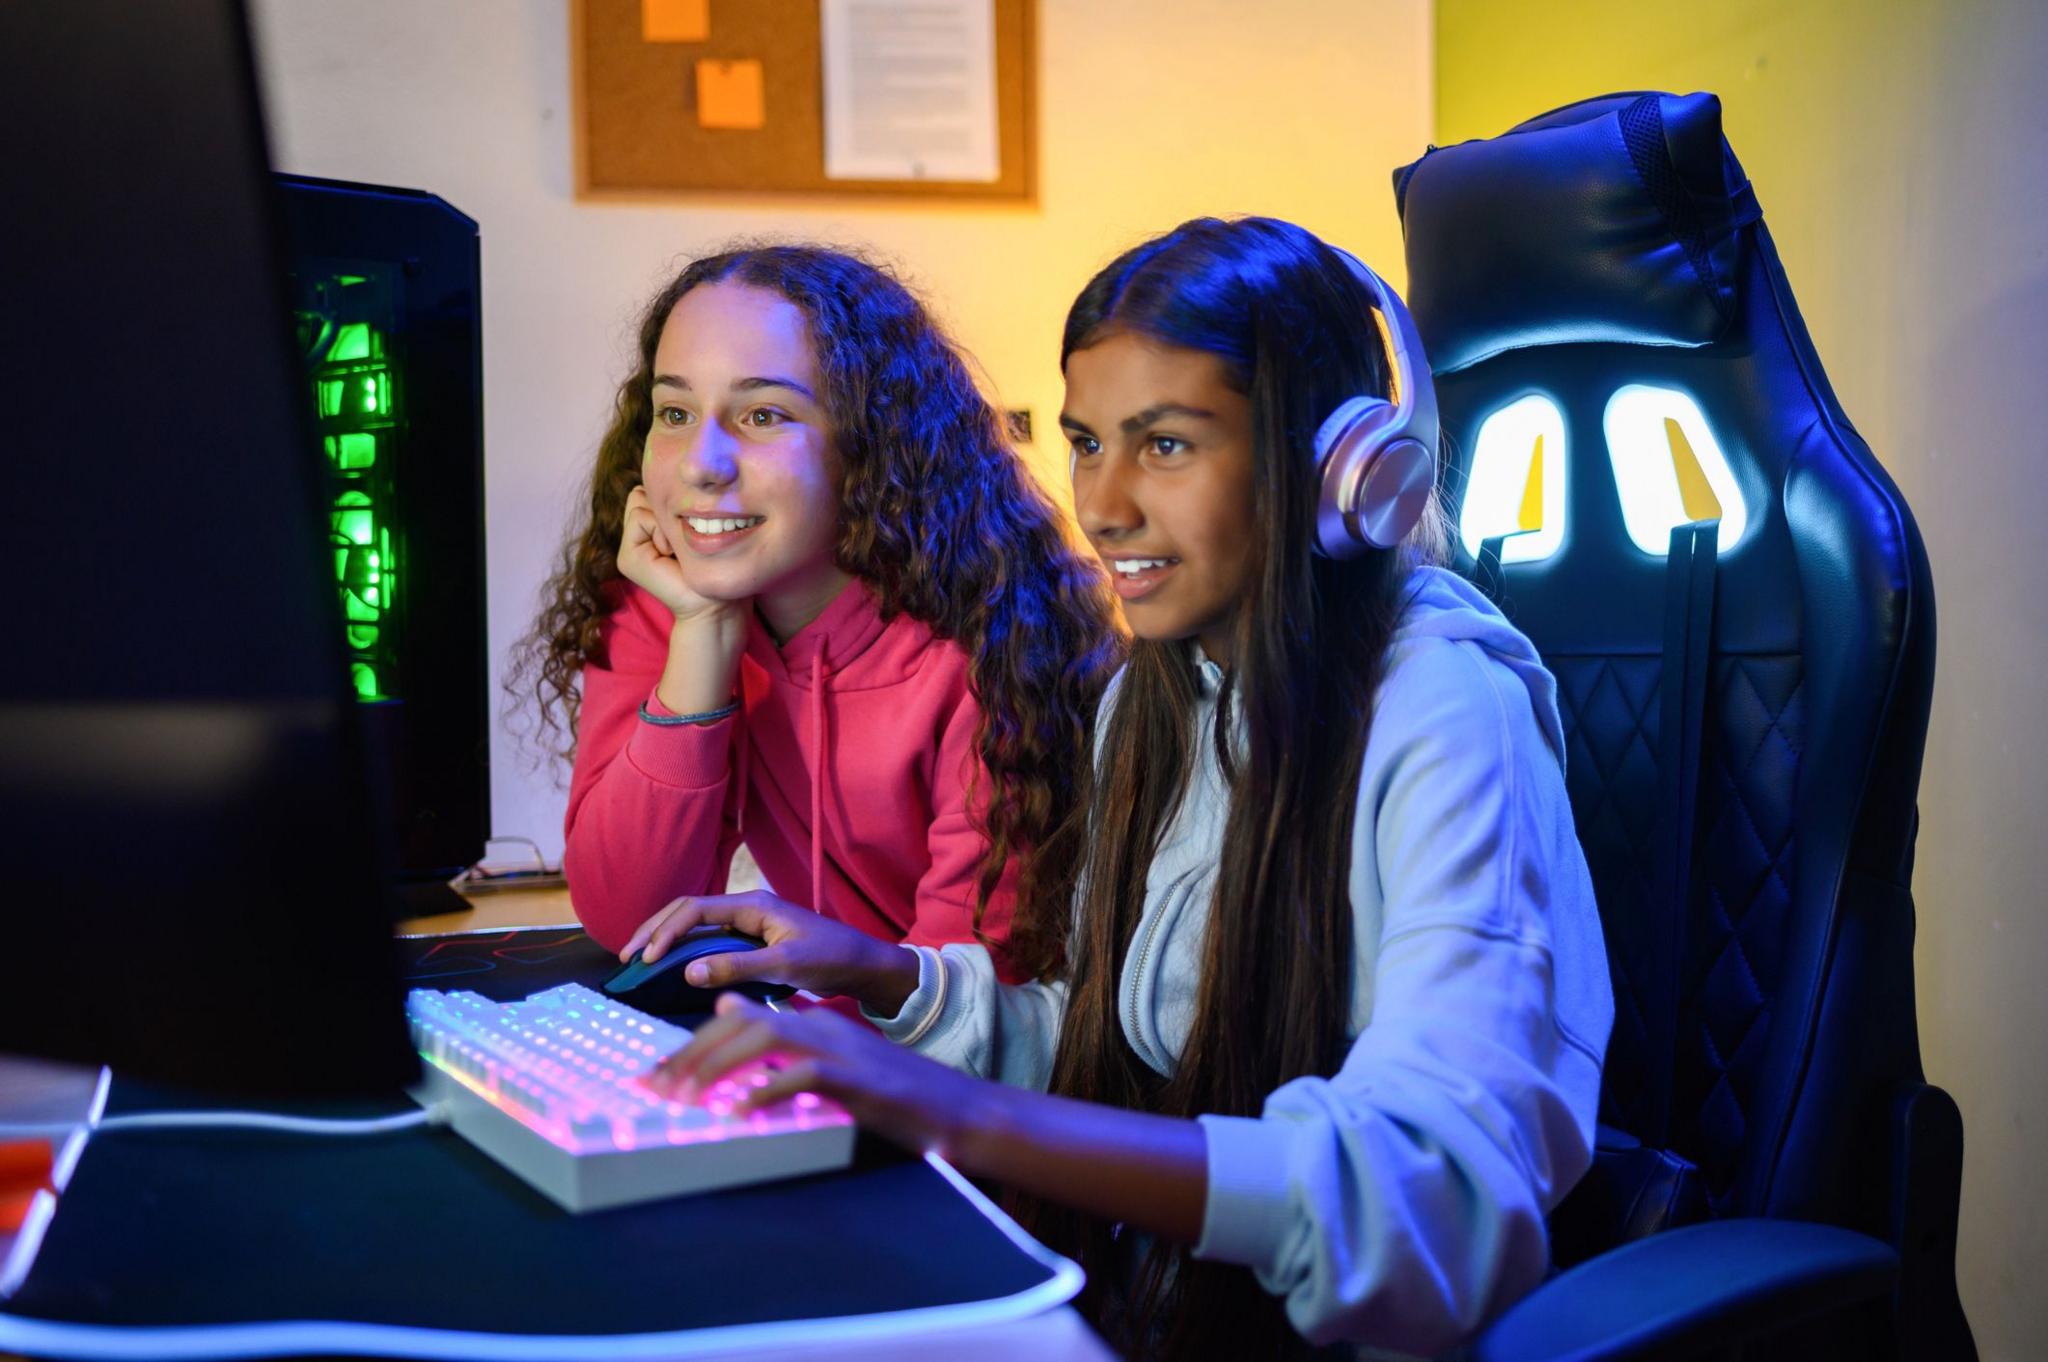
805, 1111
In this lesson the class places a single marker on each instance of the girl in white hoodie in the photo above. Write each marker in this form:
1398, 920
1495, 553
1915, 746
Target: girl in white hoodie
1325, 1044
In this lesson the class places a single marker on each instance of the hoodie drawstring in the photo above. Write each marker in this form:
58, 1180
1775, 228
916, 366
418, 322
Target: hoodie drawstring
821, 677
740, 736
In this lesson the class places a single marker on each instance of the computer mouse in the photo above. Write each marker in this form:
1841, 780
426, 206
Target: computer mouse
661, 989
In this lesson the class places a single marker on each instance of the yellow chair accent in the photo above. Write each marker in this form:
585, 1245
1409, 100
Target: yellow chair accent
1530, 517
1698, 498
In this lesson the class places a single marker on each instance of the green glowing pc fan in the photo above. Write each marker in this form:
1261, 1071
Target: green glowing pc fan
344, 321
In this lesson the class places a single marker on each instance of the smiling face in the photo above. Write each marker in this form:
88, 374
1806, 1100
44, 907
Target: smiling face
1163, 483
739, 460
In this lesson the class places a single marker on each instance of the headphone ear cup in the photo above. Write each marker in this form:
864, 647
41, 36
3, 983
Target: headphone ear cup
1376, 478
1396, 491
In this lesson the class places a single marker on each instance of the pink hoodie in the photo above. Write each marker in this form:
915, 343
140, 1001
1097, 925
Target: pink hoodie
846, 773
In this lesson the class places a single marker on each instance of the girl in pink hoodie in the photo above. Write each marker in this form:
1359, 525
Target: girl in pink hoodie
817, 606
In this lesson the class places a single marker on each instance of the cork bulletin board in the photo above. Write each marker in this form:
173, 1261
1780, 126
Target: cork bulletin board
732, 101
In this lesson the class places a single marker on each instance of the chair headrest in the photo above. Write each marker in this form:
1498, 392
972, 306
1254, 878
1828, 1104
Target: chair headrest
1611, 220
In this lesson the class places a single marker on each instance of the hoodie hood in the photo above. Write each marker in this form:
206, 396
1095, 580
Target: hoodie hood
1441, 604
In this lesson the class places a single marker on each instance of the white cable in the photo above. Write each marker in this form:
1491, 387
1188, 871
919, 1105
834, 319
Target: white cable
263, 1120
228, 1120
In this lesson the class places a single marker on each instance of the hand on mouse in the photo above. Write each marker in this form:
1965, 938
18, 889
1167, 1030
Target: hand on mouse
804, 949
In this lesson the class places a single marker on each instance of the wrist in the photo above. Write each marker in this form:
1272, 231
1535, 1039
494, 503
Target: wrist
703, 664
978, 1127
889, 977
706, 616
671, 719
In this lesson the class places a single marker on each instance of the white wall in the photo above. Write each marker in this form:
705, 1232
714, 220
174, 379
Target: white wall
1151, 111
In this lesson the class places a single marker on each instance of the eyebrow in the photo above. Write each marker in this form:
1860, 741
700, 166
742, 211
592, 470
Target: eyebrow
1131, 425
744, 385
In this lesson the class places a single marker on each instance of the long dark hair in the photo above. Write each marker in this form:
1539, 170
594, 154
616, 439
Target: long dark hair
938, 517
1295, 332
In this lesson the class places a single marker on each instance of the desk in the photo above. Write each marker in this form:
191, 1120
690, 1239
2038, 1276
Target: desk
33, 1091
500, 909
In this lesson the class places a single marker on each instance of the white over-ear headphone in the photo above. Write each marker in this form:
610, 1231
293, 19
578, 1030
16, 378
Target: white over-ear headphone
1377, 458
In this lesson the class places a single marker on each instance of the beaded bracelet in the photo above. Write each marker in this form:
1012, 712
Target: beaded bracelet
702, 717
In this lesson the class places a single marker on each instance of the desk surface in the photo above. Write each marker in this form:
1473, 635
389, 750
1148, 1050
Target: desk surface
499, 909
34, 1091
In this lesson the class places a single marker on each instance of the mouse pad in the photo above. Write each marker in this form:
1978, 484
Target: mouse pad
506, 964
217, 1236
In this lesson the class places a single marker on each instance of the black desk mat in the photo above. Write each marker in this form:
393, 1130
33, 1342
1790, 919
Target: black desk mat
416, 1230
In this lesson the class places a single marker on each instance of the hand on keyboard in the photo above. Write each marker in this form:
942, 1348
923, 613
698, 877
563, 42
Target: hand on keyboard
920, 1104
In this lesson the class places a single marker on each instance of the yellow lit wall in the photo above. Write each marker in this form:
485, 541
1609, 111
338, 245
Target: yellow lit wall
1899, 152
1151, 111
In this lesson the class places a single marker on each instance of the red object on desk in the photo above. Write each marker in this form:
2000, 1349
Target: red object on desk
24, 1170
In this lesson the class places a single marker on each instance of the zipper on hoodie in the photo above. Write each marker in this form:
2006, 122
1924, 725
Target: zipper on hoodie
1175, 891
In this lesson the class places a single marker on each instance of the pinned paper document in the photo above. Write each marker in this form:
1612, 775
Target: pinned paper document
910, 89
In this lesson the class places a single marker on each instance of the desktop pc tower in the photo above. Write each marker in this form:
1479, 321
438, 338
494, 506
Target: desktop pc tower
383, 289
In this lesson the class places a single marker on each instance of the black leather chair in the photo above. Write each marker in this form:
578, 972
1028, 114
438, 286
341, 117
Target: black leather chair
1746, 726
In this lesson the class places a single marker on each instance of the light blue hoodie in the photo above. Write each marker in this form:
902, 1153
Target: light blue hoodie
1398, 1203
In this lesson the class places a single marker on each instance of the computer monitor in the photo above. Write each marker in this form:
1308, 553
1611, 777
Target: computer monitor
196, 880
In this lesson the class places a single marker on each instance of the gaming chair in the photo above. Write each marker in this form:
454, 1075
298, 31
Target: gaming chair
1651, 474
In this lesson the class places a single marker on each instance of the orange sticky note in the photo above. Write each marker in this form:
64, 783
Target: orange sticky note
675, 21
729, 94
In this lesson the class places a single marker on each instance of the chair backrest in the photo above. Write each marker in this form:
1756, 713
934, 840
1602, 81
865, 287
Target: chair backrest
1618, 352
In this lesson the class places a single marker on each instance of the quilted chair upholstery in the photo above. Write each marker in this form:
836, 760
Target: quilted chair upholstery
1778, 1179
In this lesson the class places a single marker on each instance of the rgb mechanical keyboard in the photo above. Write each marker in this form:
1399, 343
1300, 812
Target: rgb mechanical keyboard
552, 1089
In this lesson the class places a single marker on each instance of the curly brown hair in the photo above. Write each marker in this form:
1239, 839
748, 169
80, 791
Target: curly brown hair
939, 519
